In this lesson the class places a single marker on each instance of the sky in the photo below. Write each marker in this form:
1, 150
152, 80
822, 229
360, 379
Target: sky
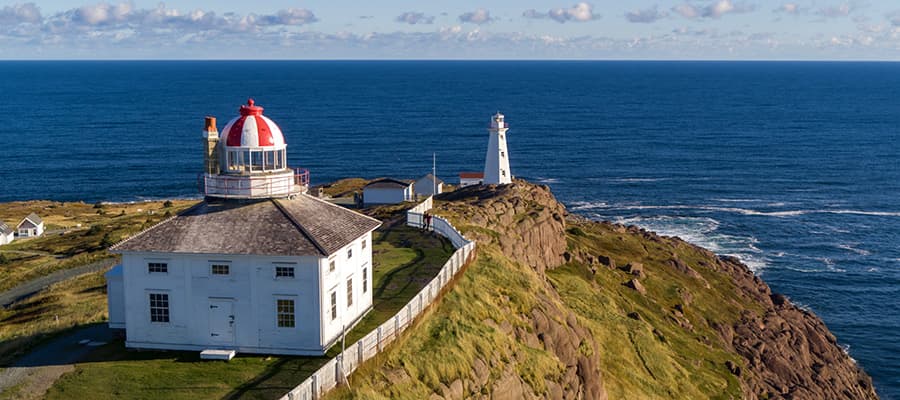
462, 29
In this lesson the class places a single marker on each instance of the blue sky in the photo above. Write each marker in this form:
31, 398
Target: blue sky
463, 29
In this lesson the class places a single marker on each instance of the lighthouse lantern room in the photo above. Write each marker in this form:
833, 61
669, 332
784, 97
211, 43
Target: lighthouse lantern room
249, 160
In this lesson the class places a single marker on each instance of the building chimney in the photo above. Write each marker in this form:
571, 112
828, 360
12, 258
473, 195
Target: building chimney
211, 144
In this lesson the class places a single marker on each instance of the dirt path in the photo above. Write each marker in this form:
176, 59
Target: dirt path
31, 287
32, 375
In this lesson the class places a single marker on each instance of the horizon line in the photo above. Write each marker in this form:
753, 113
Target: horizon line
797, 60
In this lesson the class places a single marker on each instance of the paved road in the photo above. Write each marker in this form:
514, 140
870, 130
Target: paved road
29, 288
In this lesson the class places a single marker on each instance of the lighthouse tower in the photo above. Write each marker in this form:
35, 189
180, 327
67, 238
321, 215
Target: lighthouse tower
496, 163
248, 160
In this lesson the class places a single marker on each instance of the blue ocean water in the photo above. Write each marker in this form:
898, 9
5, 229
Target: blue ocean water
793, 167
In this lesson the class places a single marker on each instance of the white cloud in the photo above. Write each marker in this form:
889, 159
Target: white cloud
836, 11
20, 13
894, 18
412, 18
646, 16
479, 16
716, 9
581, 12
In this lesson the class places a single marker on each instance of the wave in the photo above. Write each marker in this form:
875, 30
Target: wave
539, 179
637, 180
703, 231
850, 247
736, 210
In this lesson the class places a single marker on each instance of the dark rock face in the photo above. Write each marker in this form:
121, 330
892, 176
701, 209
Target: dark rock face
789, 352
530, 222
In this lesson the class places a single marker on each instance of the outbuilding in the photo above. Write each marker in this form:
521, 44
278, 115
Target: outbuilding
470, 178
428, 185
388, 191
31, 226
7, 234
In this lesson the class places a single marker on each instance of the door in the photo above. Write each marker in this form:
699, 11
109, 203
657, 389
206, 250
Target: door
221, 321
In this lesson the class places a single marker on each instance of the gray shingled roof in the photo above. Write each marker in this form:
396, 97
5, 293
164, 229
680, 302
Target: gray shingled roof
304, 226
5, 229
432, 178
33, 218
388, 183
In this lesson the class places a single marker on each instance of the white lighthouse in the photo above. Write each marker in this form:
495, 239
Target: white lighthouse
496, 162
258, 266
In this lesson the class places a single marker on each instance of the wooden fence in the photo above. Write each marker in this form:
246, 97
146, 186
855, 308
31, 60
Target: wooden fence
334, 371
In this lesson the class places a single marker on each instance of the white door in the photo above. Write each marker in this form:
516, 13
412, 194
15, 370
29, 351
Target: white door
221, 321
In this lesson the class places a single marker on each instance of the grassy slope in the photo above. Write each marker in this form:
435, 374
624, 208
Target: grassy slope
74, 302
404, 259
31, 258
652, 357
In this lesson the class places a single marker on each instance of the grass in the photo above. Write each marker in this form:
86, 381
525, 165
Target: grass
76, 234
64, 305
653, 357
405, 260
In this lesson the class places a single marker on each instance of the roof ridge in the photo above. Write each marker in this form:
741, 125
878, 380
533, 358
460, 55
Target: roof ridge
342, 208
300, 227
113, 247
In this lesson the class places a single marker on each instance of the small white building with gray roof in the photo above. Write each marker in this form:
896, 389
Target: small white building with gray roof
7, 234
31, 226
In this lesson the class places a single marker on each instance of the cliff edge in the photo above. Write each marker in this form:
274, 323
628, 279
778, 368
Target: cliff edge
557, 306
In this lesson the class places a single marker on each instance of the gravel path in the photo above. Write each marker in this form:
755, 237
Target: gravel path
31, 287
35, 372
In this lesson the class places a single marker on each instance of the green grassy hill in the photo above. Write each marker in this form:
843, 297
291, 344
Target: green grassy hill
560, 307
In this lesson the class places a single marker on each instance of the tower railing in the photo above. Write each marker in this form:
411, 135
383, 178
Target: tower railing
254, 186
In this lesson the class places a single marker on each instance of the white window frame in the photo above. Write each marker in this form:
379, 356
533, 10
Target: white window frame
365, 279
349, 292
349, 253
291, 268
279, 313
334, 309
332, 265
214, 264
167, 308
164, 263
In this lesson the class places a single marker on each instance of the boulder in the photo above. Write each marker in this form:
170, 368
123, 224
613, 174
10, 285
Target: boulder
636, 285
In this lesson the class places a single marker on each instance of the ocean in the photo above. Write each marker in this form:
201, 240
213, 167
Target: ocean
794, 167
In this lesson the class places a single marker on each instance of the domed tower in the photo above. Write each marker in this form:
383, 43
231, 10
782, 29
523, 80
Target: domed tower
496, 162
249, 159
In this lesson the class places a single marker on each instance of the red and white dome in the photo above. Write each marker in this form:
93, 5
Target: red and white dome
252, 129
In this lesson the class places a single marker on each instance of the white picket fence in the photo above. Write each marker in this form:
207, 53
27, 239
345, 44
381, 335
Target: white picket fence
327, 377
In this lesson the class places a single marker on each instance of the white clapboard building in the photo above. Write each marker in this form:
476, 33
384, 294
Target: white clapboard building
7, 234
388, 191
259, 266
31, 226
428, 185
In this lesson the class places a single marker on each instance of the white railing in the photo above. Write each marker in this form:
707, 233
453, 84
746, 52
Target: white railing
334, 371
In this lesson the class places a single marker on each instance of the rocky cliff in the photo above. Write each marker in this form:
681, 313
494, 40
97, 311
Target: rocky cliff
560, 307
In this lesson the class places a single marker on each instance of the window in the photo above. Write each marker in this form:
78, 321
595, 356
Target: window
284, 272
331, 266
503, 172
364, 244
365, 280
502, 154
333, 306
159, 307
349, 292
284, 310
158, 267
349, 253
220, 269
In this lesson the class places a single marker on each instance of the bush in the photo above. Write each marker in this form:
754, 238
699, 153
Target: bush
95, 229
3, 259
167, 204
98, 205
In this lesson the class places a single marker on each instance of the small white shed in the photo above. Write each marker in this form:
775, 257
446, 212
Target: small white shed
429, 185
470, 178
388, 191
7, 234
31, 226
